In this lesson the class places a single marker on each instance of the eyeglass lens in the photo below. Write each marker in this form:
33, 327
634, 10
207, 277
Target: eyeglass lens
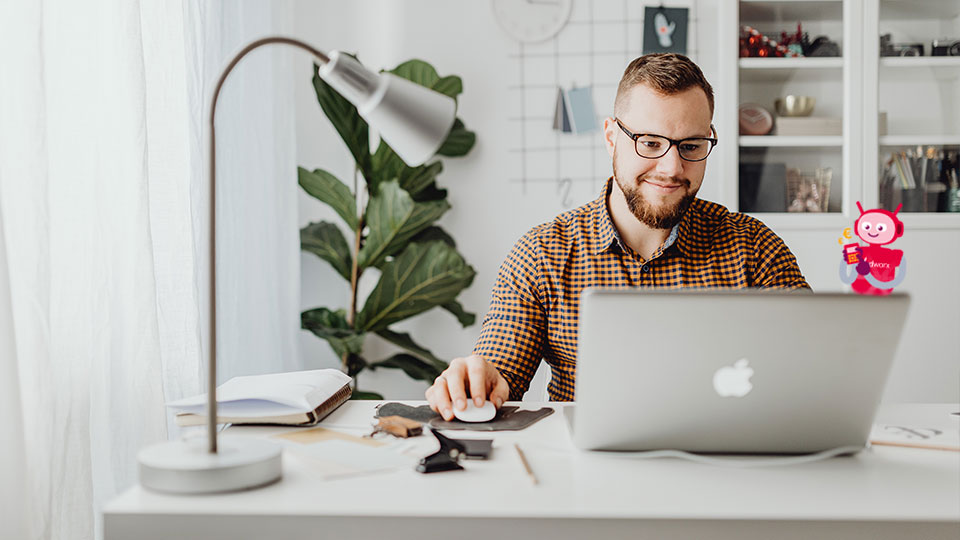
652, 146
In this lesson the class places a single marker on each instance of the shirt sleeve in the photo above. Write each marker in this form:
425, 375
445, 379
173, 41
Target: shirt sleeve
514, 330
775, 267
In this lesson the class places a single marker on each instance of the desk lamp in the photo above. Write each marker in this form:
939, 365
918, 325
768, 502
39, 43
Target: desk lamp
414, 121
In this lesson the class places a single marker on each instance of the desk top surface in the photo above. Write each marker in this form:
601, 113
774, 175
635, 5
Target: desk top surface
878, 484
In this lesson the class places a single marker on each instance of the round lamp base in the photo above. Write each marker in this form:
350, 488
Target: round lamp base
185, 467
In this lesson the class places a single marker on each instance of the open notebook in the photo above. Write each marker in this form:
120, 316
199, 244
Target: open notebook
299, 398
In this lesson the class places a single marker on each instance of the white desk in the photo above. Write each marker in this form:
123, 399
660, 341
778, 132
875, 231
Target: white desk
883, 492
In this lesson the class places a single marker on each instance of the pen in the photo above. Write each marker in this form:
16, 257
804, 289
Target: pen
526, 465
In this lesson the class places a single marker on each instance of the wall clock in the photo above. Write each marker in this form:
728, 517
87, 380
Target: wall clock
531, 21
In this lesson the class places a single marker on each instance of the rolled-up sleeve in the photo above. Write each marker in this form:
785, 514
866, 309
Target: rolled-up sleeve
775, 265
514, 330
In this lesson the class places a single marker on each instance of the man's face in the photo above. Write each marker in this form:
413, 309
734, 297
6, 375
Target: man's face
658, 191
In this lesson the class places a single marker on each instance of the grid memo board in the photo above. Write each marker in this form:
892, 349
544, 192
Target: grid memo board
592, 49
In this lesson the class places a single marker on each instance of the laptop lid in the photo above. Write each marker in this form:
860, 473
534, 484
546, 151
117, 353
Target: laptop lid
742, 371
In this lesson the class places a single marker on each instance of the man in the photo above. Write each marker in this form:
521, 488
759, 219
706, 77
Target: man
647, 229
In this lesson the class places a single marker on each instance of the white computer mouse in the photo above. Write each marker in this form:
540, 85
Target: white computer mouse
476, 414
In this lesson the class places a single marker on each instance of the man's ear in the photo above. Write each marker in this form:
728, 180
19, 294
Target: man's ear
610, 129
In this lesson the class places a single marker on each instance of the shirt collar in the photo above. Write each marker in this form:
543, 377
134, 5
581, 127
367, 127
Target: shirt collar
606, 233
607, 236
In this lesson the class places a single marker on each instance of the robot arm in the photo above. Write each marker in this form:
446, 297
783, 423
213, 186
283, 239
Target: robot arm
846, 276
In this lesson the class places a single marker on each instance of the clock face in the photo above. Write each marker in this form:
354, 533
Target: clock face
532, 20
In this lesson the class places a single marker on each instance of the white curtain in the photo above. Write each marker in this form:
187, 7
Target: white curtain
103, 211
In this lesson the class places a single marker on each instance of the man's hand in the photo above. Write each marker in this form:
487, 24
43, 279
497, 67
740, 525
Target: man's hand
472, 374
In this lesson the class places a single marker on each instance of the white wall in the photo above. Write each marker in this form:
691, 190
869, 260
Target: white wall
490, 212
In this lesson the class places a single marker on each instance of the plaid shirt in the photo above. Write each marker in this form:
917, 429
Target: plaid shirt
536, 299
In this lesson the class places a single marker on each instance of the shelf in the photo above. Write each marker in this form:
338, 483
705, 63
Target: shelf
941, 67
759, 141
920, 62
920, 140
830, 62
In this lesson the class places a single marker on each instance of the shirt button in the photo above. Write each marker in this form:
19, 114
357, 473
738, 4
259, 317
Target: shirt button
645, 268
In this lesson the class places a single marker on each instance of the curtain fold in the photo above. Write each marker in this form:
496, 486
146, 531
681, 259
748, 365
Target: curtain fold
13, 522
103, 209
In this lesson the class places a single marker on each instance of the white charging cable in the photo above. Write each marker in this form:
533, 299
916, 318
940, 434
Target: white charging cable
736, 462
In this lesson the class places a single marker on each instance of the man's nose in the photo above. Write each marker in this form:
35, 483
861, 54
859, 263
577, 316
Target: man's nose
670, 164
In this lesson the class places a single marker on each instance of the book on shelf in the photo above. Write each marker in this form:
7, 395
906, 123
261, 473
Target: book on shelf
299, 398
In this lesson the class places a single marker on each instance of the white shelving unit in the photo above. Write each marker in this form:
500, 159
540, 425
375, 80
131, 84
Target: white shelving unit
920, 95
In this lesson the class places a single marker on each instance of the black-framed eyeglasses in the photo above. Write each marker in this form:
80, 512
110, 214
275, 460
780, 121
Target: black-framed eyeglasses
651, 146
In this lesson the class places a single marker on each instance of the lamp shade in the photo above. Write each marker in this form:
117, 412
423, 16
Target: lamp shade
414, 120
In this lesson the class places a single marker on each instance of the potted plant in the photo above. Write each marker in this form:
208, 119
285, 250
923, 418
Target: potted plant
394, 231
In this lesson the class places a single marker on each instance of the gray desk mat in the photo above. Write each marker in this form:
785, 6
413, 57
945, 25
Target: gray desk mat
508, 418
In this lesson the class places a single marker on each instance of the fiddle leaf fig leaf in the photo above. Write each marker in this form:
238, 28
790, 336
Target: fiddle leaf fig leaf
386, 165
325, 240
463, 317
326, 187
424, 74
411, 365
459, 141
346, 120
405, 341
394, 218
332, 326
362, 394
450, 85
421, 277
432, 233
416, 179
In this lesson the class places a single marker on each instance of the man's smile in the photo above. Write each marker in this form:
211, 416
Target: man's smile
663, 187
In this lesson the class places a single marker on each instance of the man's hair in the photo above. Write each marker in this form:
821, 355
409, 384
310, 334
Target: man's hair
666, 73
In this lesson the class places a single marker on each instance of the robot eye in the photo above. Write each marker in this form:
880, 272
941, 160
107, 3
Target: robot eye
881, 227
865, 225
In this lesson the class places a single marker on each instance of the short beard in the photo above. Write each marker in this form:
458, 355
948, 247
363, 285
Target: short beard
652, 216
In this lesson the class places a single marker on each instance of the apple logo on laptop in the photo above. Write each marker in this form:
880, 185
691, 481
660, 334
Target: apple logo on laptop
734, 381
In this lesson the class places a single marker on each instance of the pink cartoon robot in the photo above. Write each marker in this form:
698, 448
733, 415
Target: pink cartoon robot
876, 266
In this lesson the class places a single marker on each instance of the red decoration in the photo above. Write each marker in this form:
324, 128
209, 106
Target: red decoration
753, 43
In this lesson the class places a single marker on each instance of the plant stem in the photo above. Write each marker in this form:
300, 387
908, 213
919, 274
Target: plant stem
355, 269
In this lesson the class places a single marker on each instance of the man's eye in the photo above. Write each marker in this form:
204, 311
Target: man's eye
691, 147
653, 145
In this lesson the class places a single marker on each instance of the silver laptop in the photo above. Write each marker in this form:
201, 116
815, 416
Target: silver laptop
731, 371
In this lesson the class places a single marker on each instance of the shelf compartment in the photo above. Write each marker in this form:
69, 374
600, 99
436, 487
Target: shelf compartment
920, 140
899, 10
765, 11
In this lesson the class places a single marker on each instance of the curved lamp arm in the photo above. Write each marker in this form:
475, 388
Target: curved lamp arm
412, 119
212, 356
